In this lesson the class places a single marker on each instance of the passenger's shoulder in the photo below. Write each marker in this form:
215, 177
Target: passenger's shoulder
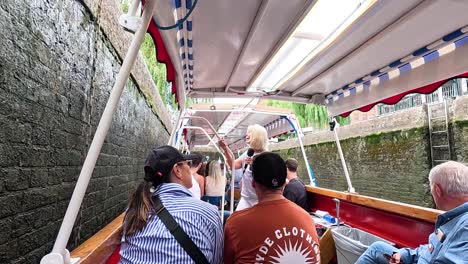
296, 209
205, 207
240, 215
204, 212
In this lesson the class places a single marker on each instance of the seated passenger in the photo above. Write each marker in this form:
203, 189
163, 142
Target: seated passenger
237, 186
196, 165
146, 239
295, 190
275, 230
449, 242
215, 183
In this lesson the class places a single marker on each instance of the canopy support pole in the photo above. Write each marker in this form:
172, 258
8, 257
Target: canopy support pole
230, 152
333, 128
59, 254
224, 158
313, 182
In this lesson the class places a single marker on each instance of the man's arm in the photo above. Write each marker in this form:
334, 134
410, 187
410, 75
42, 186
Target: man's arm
455, 248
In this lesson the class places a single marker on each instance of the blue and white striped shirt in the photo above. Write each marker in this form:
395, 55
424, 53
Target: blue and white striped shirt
155, 244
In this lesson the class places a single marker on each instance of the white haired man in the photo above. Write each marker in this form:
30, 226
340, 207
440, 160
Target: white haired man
449, 241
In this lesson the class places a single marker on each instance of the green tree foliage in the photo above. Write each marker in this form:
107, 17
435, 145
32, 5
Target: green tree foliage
309, 115
157, 70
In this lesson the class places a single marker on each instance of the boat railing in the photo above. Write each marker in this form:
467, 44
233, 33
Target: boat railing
390, 220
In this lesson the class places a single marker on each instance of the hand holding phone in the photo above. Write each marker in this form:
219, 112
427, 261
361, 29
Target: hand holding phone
393, 259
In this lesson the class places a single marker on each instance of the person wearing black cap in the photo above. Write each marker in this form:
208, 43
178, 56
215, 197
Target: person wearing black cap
275, 230
146, 237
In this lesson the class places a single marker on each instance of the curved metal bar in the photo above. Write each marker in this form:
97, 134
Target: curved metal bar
343, 162
313, 182
231, 207
224, 157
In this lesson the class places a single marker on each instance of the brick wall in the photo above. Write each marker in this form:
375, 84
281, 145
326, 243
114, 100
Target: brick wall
56, 71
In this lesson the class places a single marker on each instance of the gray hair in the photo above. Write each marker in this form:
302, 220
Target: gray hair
452, 176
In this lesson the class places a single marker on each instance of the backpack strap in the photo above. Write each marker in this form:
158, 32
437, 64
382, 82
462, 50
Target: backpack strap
179, 234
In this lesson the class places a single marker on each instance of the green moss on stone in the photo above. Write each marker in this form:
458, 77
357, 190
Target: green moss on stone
461, 124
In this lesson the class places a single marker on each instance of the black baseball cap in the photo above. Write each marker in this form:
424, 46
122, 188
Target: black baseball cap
269, 170
161, 160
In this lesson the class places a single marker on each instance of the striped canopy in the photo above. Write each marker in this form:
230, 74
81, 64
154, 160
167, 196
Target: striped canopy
390, 49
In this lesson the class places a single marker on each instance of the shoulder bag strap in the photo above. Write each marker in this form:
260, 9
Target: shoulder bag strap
179, 234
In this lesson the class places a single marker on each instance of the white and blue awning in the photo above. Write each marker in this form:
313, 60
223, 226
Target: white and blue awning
387, 48
419, 58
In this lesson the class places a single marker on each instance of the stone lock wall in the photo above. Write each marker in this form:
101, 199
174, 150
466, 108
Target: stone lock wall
387, 157
392, 165
58, 64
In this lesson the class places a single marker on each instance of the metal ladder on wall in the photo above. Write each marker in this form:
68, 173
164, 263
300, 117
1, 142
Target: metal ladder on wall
439, 136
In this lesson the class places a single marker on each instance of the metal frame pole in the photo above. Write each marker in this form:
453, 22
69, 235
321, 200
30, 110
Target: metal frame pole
231, 208
59, 252
340, 152
313, 182
133, 8
224, 158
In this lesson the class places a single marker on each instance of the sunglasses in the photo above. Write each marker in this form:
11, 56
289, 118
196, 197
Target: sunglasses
188, 162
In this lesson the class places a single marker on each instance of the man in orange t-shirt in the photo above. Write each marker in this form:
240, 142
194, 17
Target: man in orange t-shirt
275, 230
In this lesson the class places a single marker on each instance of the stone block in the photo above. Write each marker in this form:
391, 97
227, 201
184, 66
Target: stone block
18, 132
98, 184
11, 203
16, 179
9, 155
6, 227
36, 239
22, 224
40, 136
65, 190
77, 106
9, 251
37, 197
33, 156
39, 177
76, 142
56, 175
36, 255
43, 216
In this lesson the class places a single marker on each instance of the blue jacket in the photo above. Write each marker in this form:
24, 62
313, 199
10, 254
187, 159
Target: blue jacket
447, 244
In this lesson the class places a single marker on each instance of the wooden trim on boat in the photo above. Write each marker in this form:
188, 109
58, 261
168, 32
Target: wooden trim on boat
100, 247
414, 211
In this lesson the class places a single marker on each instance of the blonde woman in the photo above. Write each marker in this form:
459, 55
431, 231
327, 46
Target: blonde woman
257, 139
215, 183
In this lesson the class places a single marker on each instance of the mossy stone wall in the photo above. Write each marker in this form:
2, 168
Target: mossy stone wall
392, 165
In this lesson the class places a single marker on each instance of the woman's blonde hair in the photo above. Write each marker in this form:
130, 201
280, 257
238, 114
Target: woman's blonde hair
214, 170
258, 137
